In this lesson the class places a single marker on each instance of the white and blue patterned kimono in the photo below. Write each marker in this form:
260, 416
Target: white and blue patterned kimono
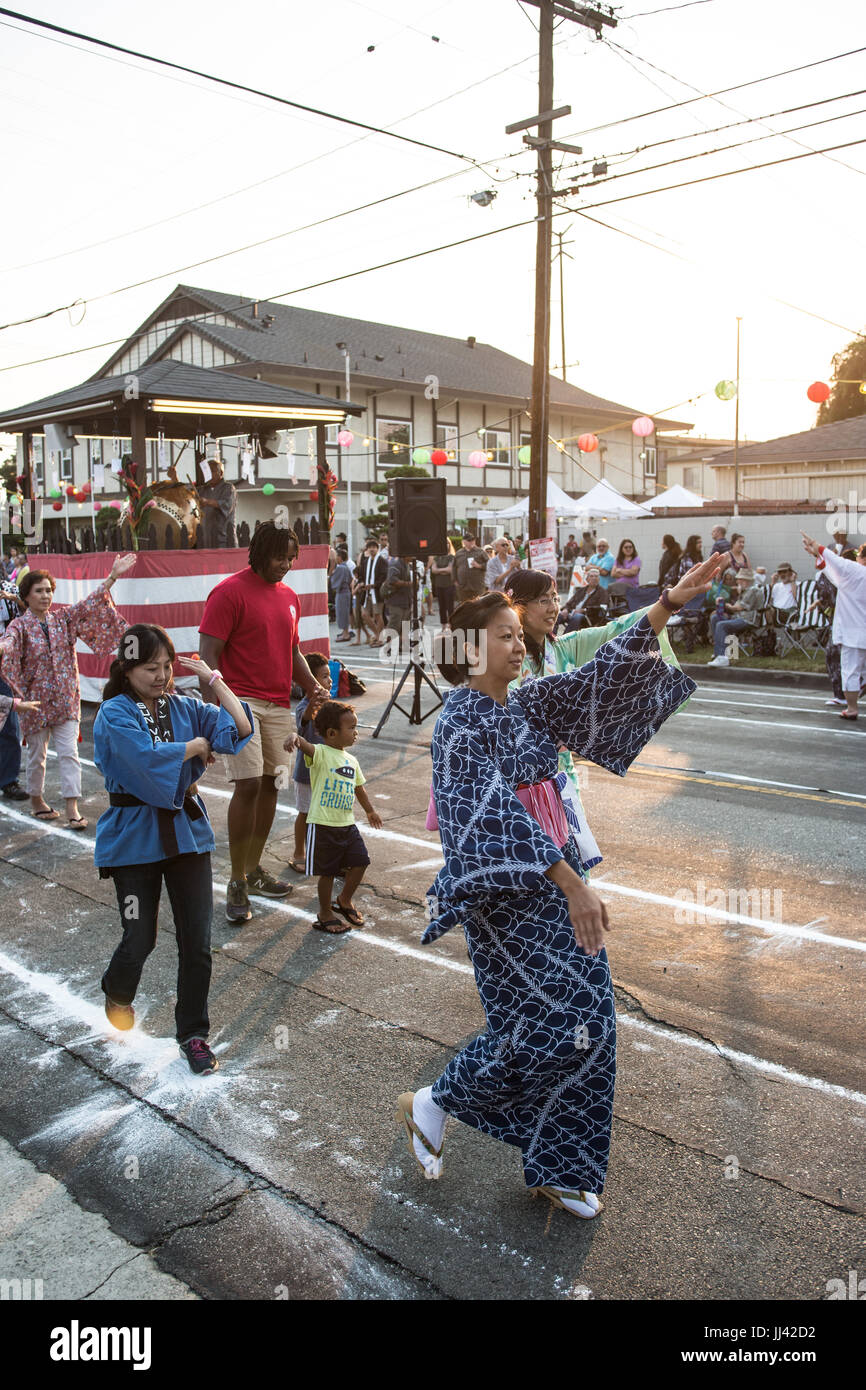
542, 1075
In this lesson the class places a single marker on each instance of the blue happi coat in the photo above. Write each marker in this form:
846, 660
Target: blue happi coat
542, 1075
130, 761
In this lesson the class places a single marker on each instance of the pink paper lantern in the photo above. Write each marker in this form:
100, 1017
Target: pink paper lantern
97, 506
587, 443
477, 459
116, 505
642, 426
818, 392
438, 457
344, 438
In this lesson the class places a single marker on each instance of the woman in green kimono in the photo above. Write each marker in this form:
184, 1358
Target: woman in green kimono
534, 593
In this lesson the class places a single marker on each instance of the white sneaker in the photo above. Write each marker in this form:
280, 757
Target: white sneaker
720, 661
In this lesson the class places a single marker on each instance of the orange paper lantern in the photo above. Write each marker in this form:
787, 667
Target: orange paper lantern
587, 443
818, 392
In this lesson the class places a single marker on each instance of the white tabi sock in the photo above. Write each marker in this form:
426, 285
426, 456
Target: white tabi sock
430, 1119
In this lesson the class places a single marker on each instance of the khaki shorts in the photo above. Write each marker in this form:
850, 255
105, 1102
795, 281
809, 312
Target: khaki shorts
264, 755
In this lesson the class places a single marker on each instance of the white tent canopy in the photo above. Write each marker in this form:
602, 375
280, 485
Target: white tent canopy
556, 499
676, 496
604, 500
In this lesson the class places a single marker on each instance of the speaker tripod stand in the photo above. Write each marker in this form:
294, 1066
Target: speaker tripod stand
414, 668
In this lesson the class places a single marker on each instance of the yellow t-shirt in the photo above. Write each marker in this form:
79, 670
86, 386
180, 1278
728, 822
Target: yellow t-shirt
334, 775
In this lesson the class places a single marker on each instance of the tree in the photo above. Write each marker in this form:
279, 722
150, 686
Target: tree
845, 399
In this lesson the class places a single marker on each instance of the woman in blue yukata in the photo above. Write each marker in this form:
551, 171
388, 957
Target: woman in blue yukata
541, 1076
152, 746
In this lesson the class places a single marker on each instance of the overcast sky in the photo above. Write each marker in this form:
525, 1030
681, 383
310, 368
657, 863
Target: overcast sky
116, 171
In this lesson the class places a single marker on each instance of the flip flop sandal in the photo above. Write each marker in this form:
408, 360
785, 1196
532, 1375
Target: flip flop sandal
849, 718
403, 1116
350, 914
555, 1195
50, 814
80, 823
302, 870
333, 926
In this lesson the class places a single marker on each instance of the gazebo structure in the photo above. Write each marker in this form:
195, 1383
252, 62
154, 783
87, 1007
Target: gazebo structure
169, 400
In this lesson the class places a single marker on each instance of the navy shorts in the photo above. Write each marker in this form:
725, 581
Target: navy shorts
331, 849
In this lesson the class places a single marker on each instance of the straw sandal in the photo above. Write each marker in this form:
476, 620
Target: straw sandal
403, 1116
555, 1195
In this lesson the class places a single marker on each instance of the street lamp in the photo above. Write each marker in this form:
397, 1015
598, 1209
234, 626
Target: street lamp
342, 347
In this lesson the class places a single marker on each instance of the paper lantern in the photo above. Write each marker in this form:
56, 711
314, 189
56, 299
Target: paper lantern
818, 392
421, 457
117, 506
314, 496
725, 390
97, 506
344, 438
477, 459
70, 491
268, 489
642, 426
438, 457
57, 506
55, 492
587, 443
86, 489
524, 455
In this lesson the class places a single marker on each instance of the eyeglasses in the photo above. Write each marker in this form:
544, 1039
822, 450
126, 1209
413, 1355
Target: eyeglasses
549, 601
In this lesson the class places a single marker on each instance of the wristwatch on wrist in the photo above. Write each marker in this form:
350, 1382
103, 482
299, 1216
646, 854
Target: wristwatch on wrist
665, 602
217, 676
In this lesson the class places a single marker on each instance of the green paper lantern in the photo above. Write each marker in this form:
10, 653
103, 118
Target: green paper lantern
268, 489
524, 455
725, 390
55, 492
421, 457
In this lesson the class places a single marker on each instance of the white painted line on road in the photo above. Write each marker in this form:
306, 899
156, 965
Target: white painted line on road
739, 777
771, 724
755, 704
739, 919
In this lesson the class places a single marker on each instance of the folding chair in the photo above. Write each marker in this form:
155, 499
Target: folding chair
688, 623
746, 638
802, 622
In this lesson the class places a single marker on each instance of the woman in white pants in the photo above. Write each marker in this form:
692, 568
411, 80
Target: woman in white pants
849, 619
39, 663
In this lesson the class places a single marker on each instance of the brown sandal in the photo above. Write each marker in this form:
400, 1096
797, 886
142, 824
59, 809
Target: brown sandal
333, 926
350, 914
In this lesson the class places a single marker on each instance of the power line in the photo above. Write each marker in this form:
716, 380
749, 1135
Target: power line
727, 107
705, 96
720, 149
236, 86
645, 14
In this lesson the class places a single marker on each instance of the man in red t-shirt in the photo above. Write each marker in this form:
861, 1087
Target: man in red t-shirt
249, 630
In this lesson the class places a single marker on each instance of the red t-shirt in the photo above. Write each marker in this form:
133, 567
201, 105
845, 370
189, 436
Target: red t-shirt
259, 624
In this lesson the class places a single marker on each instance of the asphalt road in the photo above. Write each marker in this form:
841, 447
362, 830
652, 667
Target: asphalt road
733, 875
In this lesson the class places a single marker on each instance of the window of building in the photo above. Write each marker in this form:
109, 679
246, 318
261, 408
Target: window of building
66, 465
331, 434
648, 455
393, 442
525, 440
38, 456
691, 477
447, 439
497, 446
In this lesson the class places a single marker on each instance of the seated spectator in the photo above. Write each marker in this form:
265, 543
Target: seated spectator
692, 555
669, 565
603, 560
626, 569
721, 544
737, 557
783, 594
742, 611
587, 604
569, 550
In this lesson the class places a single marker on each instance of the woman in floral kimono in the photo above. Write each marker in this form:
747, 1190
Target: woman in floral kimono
541, 1076
533, 592
39, 663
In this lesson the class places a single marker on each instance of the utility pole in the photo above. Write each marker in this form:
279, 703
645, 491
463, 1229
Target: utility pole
592, 18
348, 464
737, 429
561, 256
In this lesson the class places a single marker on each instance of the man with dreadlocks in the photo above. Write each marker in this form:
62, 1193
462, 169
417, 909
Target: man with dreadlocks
250, 629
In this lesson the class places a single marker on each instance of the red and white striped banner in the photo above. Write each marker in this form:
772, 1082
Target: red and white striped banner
170, 588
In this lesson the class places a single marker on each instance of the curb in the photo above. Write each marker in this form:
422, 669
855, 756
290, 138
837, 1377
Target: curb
754, 675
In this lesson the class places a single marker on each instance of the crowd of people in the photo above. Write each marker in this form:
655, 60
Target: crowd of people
505, 792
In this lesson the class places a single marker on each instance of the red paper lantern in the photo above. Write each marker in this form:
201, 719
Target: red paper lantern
587, 443
86, 489
70, 491
818, 392
438, 457
314, 496
57, 506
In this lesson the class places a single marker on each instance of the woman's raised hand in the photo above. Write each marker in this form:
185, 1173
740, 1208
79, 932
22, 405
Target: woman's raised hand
122, 563
195, 663
695, 581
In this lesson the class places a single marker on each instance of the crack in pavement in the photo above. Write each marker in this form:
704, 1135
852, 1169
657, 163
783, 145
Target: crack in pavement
638, 1007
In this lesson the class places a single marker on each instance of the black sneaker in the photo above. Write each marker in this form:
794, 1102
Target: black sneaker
198, 1054
119, 1015
15, 792
260, 881
237, 902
